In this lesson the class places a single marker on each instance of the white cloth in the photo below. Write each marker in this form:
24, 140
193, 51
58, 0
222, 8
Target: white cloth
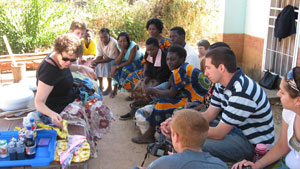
108, 51
192, 56
292, 159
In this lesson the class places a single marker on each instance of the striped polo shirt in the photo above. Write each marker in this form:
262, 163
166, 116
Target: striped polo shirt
245, 105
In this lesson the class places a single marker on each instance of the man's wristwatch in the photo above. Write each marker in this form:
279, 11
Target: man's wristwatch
118, 67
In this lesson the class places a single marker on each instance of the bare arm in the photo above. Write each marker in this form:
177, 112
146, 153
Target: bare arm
85, 69
119, 55
42, 94
211, 113
220, 131
170, 93
130, 58
279, 150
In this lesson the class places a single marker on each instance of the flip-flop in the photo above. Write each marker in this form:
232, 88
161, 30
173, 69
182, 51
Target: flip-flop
113, 94
106, 92
129, 98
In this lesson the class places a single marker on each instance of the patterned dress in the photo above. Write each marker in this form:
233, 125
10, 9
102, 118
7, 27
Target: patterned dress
134, 77
121, 74
193, 86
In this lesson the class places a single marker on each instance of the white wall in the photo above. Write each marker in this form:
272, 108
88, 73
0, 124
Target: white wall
234, 19
256, 21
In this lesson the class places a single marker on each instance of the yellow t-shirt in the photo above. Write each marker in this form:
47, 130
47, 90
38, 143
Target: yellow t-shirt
91, 50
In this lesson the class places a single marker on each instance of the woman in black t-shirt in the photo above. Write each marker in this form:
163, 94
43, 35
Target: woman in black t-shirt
55, 80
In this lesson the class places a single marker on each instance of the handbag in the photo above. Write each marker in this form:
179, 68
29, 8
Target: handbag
269, 80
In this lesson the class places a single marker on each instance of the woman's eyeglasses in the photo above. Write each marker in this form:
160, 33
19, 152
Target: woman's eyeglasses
291, 79
68, 59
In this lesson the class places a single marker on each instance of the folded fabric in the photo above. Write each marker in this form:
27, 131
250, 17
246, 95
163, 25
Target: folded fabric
74, 144
81, 155
60, 133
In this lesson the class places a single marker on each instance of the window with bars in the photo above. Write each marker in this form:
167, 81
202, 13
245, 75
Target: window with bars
280, 56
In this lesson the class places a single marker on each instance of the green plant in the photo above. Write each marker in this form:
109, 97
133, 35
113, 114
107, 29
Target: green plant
31, 24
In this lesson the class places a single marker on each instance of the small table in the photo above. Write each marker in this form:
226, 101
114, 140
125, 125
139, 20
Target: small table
7, 125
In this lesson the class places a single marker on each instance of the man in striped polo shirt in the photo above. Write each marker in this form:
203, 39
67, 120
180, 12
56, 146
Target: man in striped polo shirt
246, 118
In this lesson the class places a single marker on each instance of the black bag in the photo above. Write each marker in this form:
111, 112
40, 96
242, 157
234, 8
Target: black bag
285, 22
269, 80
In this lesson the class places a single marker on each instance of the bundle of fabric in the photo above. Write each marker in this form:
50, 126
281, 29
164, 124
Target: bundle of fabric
96, 120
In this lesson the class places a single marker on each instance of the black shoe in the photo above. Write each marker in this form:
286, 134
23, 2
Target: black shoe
140, 140
126, 116
106, 92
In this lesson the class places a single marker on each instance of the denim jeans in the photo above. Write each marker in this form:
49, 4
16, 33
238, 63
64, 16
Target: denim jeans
232, 148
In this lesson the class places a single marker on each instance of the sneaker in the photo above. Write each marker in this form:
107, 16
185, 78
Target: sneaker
126, 116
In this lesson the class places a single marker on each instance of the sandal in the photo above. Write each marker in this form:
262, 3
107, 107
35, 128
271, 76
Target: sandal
129, 98
113, 94
106, 92
138, 104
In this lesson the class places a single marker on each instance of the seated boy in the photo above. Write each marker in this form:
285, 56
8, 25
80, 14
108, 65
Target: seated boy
189, 130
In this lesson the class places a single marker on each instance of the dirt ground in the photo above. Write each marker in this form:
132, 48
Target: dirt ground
116, 149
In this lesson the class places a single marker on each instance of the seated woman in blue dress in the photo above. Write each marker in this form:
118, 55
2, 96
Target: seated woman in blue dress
127, 61
188, 84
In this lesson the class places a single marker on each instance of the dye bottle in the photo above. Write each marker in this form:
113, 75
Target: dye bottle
30, 145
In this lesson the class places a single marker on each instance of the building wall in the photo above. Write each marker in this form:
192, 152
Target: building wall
252, 56
234, 18
245, 26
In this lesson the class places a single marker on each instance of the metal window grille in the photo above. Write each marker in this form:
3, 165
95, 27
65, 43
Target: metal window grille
280, 56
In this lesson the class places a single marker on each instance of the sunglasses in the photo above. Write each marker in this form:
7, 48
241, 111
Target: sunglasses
68, 59
291, 79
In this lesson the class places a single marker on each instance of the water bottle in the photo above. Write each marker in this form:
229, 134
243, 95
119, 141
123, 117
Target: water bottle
11, 148
30, 145
20, 150
259, 152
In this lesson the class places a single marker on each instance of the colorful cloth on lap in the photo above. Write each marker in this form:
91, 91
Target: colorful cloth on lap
121, 74
132, 79
193, 86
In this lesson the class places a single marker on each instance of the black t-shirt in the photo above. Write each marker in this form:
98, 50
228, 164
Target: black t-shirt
161, 74
61, 80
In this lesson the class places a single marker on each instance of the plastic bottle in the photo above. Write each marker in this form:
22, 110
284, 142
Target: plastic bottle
33, 124
259, 152
20, 150
30, 145
11, 148
33, 127
3, 149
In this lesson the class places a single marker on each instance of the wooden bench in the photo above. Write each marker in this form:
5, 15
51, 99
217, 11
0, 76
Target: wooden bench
32, 60
7, 125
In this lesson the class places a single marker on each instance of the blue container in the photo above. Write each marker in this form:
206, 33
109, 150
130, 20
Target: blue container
44, 154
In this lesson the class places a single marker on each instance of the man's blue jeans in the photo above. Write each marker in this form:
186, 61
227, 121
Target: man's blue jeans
232, 148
